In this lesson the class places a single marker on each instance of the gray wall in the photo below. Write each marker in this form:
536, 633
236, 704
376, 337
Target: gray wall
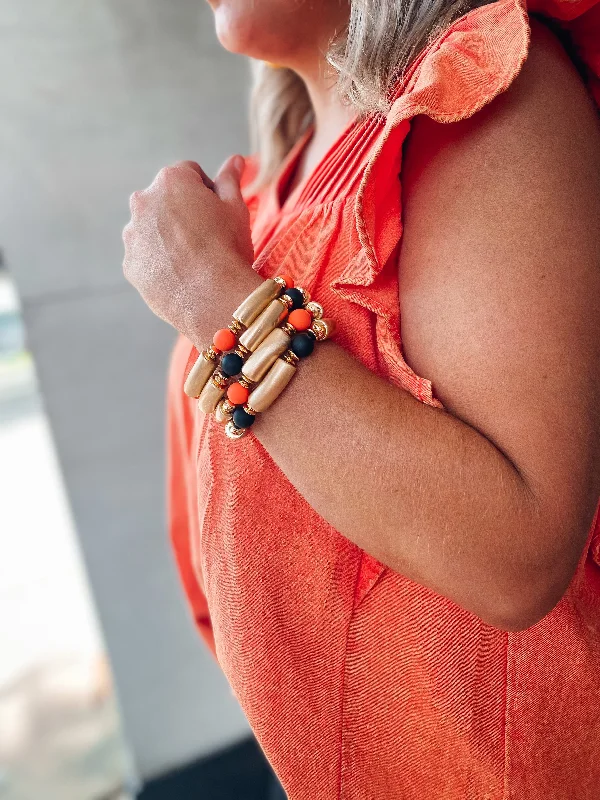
95, 98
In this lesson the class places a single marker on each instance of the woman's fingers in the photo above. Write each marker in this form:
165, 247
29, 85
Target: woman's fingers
208, 182
227, 181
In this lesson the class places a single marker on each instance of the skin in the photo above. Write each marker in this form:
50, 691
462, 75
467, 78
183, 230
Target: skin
488, 503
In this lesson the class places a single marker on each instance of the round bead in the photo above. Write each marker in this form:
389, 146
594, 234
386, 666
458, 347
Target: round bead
300, 318
224, 339
297, 297
233, 432
302, 345
237, 394
289, 281
231, 364
241, 418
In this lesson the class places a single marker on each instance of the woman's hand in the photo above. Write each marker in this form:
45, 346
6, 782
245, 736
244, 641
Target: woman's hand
186, 231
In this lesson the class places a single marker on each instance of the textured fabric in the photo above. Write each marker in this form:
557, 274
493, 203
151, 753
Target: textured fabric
359, 683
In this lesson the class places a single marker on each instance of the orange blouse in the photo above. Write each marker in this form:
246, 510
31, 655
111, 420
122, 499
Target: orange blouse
360, 684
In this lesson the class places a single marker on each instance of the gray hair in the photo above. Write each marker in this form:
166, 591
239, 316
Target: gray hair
381, 40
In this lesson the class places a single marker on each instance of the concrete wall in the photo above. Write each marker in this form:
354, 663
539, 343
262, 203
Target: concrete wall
95, 98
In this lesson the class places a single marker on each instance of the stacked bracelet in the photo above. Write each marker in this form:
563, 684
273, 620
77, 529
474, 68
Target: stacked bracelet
270, 332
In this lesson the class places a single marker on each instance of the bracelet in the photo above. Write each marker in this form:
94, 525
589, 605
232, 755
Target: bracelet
273, 328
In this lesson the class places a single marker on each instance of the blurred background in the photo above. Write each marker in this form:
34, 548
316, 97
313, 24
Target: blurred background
106, 691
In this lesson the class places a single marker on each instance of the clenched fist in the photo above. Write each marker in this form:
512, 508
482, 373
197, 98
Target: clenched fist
185, 233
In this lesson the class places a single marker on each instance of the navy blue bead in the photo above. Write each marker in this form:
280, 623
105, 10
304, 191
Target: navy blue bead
241, 418
297, 296
302, 345
231, 364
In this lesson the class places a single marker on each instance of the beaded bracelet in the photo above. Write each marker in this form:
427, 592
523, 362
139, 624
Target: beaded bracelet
272, 351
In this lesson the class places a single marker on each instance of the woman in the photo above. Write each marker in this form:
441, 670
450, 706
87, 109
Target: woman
398, 567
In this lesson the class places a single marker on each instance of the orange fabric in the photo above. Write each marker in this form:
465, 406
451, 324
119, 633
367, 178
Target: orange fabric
359, 683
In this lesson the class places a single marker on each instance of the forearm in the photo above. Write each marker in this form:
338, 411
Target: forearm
415, 487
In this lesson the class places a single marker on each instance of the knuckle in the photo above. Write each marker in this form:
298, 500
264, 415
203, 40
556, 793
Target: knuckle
167, 174
135, 201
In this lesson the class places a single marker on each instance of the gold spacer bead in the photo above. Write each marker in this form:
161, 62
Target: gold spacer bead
249, 410
222, 412
305, 295
236, 327
246, 382
286, 300
290, 357
241, 350
319, 330
210, 354
233, 432
227, 406
316, 309
280, 281
288, 328
219, 380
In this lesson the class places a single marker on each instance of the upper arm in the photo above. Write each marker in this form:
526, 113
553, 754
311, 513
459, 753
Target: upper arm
499, 272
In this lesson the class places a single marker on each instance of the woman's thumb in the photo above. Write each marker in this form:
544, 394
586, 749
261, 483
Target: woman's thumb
227, 182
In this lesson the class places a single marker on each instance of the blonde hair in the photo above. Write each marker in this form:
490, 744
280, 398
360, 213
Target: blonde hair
381, 40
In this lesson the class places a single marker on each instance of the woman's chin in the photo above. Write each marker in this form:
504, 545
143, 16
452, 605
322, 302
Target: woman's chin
232, 33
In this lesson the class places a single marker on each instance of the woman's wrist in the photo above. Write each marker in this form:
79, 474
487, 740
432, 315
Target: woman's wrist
223, 291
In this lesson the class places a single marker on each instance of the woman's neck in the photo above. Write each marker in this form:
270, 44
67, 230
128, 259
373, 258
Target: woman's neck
331, 117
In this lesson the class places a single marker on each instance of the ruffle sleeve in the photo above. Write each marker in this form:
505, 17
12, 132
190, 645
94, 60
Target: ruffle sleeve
475, 59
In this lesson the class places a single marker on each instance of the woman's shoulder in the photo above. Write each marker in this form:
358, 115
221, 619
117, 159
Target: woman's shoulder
547, 100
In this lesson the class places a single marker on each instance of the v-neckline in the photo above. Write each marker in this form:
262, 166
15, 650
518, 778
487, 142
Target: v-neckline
290, 162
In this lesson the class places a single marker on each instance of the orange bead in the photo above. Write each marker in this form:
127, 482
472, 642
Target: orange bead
289, 281
224, 339
301, 319
237, 394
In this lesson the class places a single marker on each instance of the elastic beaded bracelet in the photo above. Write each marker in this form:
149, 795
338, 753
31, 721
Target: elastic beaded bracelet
275, 362
227, 338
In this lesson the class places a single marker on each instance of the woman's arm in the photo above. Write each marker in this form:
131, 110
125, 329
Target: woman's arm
489, 502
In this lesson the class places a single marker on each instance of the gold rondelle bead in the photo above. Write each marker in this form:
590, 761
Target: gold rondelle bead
222, 415
233, 432
316, 309
241, 350
245, 382
280, 281
219, 380
211, 353
236, 327
288, 328
290, 357
323, 328
285, 298
227, 406
248, 409
305, 295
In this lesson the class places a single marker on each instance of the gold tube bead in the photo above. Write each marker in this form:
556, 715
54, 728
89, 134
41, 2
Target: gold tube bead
204, 367
212, 393
323, 328
271, 386
257, 301
261, 360
262, 326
